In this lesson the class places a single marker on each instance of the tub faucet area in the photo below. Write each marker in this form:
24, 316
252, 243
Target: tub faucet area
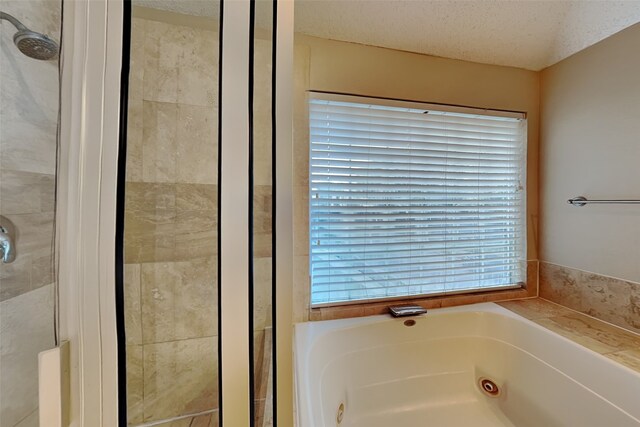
406, 310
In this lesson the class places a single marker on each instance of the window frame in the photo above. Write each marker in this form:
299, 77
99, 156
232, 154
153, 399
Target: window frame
439, 107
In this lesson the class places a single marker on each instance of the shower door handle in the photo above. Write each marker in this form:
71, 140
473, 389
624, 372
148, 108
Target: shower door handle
7, 248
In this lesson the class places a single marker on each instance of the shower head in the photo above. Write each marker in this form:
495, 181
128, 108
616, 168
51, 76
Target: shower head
32, 44
36, 45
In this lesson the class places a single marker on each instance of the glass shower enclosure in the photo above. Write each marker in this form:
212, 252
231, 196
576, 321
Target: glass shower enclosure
171, 262
29, 105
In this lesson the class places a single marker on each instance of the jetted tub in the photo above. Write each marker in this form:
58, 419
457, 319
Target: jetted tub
377, 372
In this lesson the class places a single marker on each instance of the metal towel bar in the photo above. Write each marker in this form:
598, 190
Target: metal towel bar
581, 201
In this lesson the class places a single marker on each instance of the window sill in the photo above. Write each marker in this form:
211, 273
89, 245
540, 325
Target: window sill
372, 308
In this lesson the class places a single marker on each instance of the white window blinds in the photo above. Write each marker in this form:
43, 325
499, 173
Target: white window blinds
409, 201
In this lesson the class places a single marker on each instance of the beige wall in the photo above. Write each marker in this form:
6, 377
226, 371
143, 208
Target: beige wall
590, 145
28, 121
334, 66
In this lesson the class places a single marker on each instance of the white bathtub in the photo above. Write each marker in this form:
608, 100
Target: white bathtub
387, 374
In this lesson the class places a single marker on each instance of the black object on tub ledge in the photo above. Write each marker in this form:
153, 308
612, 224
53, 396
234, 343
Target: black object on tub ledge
406, 310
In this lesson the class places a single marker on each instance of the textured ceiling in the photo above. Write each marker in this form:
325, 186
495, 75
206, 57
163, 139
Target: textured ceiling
520, 33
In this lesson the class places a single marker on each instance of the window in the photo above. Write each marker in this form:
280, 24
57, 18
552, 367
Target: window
413, 199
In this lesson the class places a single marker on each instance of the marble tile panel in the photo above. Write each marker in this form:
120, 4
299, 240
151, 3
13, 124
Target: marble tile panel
38, 156
591, 333
629, 358
197, 82
132, 304
150, 196
613, 342
42, 270
20, 192
180, 377
339, 312
300, 220
613, 300
47, 186
34, 233
532, 284
163, 47
170, 222
536, 308
301, 289
190, 197
197, 147
179, 300
262, 245
32, 420
28, 97
262, 113
136, 58
263, 388
262, 209
135, 132
15, 278
196, 234
25, 330
557, 284
262, 299
149, 235
262, 166
134, 385
258, 356
159, 141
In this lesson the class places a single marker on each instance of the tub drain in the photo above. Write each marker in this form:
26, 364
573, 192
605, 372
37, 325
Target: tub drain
340, 413
489, 387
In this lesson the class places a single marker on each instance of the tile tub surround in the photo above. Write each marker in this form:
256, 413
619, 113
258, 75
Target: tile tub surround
609, 340
612, 300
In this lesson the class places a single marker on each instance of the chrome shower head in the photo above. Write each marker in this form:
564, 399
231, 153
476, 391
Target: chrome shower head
36, 45
32, 44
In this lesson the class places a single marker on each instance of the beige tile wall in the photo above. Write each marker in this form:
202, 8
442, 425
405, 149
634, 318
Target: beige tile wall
171, 217
171, 221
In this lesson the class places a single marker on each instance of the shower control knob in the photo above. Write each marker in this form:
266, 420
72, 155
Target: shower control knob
7, 247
